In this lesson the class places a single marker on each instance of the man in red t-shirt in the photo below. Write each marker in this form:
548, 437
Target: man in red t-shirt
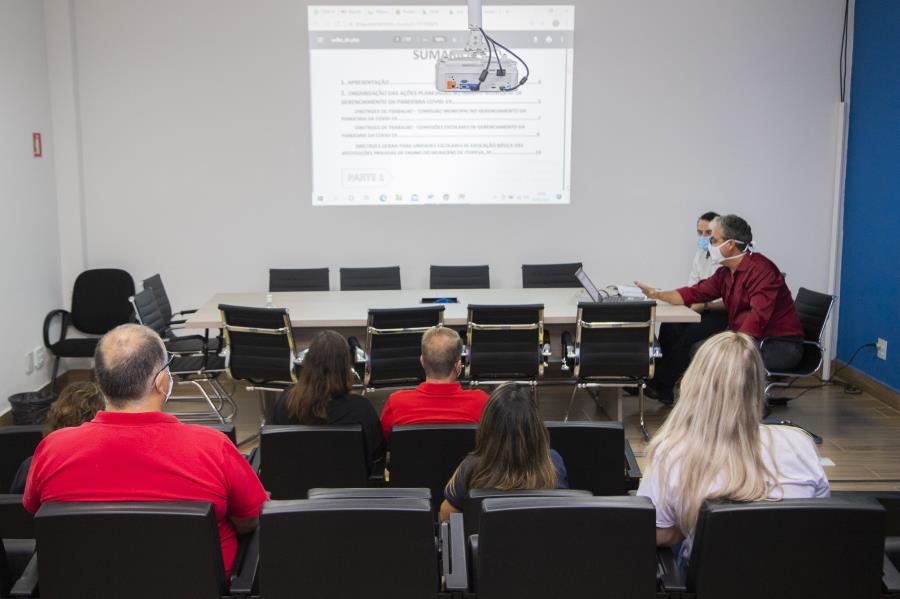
134, 452
756, 298
440, 398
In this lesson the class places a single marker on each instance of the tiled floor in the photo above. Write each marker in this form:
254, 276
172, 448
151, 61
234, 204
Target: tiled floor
861, 434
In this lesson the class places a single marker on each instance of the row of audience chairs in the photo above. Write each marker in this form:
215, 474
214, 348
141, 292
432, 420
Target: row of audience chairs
513, 544
441, 277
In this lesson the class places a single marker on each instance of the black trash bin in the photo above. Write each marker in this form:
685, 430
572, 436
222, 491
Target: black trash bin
31, 407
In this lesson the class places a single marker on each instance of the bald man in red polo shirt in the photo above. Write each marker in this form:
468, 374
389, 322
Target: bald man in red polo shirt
440, 398
756, 298
134, 452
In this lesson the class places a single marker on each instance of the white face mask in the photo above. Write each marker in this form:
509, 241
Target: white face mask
715, 253
171, 385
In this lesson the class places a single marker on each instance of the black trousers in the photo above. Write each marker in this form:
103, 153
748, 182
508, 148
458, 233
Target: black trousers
677, 341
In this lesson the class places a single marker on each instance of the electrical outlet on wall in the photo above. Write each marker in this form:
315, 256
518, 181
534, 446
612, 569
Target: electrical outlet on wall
881, 349
40, 357
29, 362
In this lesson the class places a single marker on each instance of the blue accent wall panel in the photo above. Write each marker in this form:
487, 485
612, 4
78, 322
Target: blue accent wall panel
870, 271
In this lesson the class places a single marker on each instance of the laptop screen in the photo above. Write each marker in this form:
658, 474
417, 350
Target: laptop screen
587, 284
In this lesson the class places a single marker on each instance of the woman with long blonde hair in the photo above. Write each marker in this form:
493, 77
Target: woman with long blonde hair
712, 446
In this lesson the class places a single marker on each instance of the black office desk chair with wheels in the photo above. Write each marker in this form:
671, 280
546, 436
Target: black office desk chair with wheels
99, 304
298, 279
615, 346
460, 277
813, 309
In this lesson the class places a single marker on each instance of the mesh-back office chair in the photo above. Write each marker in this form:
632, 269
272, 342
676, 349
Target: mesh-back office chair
260, 348
506, 343
615, 345
307, 545
370, 279
16, 541
427, 455
298, 279
176, 320
594, 457
162, 298
394, 344
823, 548
296, 458
191, 364
573, 547
550, 275
133, 549
99, 303
475, 497
460, 277
813, 309
16, 444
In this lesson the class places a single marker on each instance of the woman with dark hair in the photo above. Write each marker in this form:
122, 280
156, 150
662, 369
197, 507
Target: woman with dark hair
512, 451
78, 403
322, 395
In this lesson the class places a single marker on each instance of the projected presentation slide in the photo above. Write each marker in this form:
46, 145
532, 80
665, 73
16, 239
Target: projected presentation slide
383, 135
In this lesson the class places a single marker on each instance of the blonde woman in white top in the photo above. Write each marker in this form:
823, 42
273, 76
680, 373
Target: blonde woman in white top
712, 445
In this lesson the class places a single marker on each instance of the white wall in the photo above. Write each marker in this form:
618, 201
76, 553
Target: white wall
194, 120
29, 247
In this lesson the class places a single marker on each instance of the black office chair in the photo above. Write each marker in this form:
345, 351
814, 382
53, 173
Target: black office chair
16, 444
307, 545
615, 346
594, 457
16, 541
427, 455
506, 343
297, 458
370, 279
175, 321
460, 277
298, 279
813, 309
394, 344
260, 348
99, 303
132, 549
165, 305
370, 493
550, 275
823, 548
573, 547
475, 497
890, 501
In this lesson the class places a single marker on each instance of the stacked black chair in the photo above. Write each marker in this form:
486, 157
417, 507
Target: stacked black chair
475, 497
165, 305
615, 345
260, 349
594, 458
813, 309
99, 303
306, 547
550, 275
506, 343
298, 279
297, 458
16, 541
460, 277
394, 344
573, 547
427, 455
16, 444
135, 550
370, 279
823, 548
176, 320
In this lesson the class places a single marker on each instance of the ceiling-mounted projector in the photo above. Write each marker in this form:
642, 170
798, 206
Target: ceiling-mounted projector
479, 66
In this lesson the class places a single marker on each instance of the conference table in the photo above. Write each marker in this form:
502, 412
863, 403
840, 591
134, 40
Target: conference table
347, 312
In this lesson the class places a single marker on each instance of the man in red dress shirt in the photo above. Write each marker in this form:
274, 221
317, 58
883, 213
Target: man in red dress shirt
440, 398
134, 452
756, 298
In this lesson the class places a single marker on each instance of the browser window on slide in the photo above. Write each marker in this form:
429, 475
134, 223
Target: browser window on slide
383, 135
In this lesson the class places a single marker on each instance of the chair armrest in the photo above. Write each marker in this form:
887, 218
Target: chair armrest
357, 353
632, 470
64, 325
890, 578
254, 458
243, 578
28, 582
473, 562
453, 555
668, 576
183, 312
